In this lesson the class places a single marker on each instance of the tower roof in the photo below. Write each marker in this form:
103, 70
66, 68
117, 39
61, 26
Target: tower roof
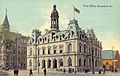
54, 11
6, 22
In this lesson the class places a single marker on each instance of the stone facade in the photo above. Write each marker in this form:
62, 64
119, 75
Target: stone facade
70, 49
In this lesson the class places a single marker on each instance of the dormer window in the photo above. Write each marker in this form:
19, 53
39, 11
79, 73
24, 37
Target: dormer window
72, 33
45, 38
56, 36
69, 47
63, 35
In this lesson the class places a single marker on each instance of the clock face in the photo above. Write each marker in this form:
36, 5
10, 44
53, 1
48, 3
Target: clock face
71, 27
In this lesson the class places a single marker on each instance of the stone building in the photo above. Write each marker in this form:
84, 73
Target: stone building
70, 49
13, 48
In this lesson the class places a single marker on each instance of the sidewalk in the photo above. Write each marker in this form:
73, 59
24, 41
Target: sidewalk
35, 73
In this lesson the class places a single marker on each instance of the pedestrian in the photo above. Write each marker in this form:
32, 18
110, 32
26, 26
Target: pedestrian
75, 71
99, 71
64, 70
104, 68
31, 73
44, 71
16, 71
115, 70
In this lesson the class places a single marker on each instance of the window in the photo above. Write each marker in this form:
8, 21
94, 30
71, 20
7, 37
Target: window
96, 52
84, 62
54, 63
60, 38
48, 50
69, 61
30, 62
79, 62
63, 35
30, 51
80, 36
56, 36
49, 63
72, 33
13, 51
84, 49
96, 63
80, 48
61, 62
69, 47
48, 40
43, 51
45, 38
89, 50
38, 51
54, 51
43, 64
89, 62
60, 51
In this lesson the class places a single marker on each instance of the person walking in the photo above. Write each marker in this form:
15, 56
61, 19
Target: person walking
104, 69
16, 71
44, 71
31, 73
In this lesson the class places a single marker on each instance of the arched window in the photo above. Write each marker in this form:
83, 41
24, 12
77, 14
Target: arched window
30, 51
90, 62
84, 62
43, 51
69, 61
49, 63
48, 50
61, 62
72, 33
84, 49
96, 51
80, 62
43, 63
38, 51
54, 63
80, 47
96, 63
69, 47
30, 62
54, 51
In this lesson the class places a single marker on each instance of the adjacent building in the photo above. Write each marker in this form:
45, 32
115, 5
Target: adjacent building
13, 48
111, 59
70, 49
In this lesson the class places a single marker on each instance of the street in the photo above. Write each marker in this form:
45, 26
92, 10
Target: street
35, 73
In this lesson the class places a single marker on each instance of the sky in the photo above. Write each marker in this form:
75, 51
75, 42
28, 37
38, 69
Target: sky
26, 15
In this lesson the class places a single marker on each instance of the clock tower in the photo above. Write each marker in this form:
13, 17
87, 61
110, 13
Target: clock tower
54, 19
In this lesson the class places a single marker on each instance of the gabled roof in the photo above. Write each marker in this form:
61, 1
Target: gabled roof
109, 54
